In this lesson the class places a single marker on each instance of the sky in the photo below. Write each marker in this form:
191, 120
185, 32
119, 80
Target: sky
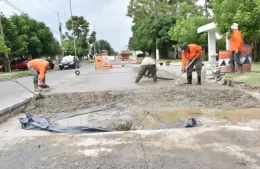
107, 17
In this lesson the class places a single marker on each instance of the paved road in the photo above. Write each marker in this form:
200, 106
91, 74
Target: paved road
12, 93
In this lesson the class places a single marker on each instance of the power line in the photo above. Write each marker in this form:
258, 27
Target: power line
46, 5
21, 11
34, 9
13, 6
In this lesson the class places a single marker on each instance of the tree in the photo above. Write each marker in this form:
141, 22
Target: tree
185, 31
14, 41
244, 12
146, 30
81, 29
139, 9
80, 26
3, 48
92, 38
104, 45
36, 38
69, 47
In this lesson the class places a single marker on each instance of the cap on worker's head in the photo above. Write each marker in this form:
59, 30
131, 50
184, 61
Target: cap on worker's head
234, 26
183, 47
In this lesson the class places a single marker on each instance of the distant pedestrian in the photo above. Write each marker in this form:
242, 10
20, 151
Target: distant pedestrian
148, 64
189, 53
236, 43
39, 67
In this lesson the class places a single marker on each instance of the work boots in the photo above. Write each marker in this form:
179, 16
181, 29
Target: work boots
36, 88
232, 69
154, 79
199, 80
239, 70
189, 80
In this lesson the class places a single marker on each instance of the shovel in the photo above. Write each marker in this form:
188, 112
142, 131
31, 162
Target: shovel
37, 96
178, 79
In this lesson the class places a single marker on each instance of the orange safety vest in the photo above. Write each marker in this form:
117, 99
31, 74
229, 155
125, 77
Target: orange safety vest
194, 50
40, 65
236, 41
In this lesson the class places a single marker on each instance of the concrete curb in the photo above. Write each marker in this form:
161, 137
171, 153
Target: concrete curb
13, 110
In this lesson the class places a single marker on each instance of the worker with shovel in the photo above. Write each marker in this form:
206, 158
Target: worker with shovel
191, 56
39, 67
148, 64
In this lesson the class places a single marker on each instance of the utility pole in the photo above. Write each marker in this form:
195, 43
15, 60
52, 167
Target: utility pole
75, 49
95, 50
206, 6
61, 38
7, 62
156, 17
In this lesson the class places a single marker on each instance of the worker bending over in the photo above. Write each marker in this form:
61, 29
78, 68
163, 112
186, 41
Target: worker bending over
191, 52
39, 66
236, 43
148, 64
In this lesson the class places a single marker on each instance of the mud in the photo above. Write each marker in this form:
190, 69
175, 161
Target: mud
245, 86
146, 99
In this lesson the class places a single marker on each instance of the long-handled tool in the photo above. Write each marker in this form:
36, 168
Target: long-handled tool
162, 78
37, 96
178, 79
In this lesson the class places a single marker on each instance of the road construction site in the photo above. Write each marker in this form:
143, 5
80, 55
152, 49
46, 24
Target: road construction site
141, 120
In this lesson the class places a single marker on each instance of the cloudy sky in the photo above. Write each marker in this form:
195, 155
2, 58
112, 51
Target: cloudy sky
108, 17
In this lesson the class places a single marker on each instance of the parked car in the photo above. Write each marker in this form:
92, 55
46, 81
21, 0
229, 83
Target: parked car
18, 64
69, 62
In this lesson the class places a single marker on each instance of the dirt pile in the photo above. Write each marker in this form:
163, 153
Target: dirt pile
150, 98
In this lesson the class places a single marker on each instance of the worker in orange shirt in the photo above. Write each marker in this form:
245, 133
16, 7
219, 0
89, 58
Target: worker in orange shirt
39, 67
189, 53
236, 43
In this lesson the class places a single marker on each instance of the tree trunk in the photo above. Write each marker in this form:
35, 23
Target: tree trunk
256, 51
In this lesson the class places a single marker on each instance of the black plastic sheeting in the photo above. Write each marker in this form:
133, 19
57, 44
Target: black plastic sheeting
40, 123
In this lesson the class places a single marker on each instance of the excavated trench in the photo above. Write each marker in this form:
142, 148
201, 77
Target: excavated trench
151, 108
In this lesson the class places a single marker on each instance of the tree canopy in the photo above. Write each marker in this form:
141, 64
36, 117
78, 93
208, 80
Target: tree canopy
185, 31
139, 9
80, 26
146, 30
92, 37
28, 37
104, 45
3, 48
81, 29
244, 12
150, 25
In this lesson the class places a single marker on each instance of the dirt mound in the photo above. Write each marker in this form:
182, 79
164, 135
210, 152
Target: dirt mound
150, 98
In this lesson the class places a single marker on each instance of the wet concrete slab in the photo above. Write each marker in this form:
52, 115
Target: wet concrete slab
119, 78
166, 149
